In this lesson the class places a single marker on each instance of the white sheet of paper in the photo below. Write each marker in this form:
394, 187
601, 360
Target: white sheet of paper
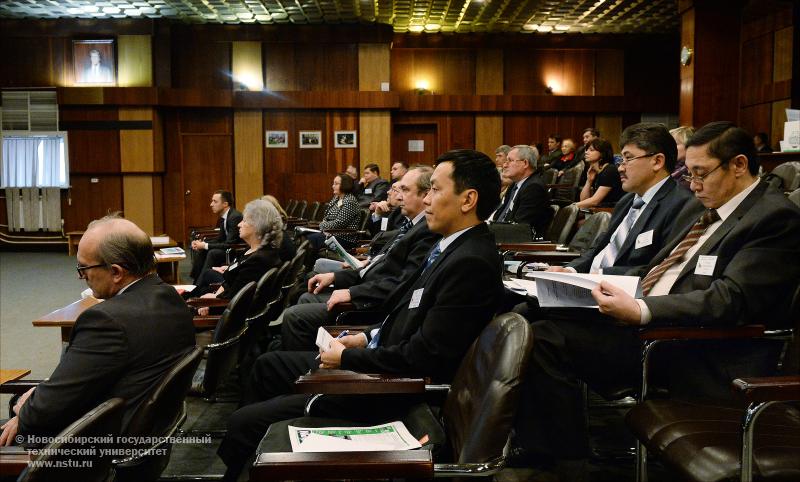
644, 239
384, 223
324, 338
325, 443
575, 289
705, 265
521, 286
159, 239
186, 288
368, 191
416, 296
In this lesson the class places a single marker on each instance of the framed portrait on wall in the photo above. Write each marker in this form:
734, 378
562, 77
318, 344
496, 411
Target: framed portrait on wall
311, 139
277, 139
346, 139
94, 62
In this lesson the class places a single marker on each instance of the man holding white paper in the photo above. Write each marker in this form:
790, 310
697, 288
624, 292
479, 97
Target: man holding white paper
726, 267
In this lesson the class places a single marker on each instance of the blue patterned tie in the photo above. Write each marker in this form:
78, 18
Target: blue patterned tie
404, 228
612, 250
507, 204
432, 257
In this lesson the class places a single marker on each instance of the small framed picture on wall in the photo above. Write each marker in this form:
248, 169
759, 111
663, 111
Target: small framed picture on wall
311, 139
346, 139
94, 62
277, 139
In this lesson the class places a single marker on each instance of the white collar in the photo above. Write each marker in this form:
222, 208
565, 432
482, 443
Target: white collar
651, 193
445, 242
418, 217
127, 286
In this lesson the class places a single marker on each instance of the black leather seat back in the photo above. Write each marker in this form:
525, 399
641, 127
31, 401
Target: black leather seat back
233, 318
263, 292
563, 222
103, 421
480, 407
594, 226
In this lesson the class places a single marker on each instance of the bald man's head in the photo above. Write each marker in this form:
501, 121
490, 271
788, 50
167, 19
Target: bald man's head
114, 240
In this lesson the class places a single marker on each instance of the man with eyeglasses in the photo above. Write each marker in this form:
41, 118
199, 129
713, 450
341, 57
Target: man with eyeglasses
121, 347
526, 199
643, 220
731, 265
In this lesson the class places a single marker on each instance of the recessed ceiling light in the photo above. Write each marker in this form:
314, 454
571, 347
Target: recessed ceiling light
432, 26
75, 11
530, 26
562, 28
110, 10
90, 9
544, 28
415, 28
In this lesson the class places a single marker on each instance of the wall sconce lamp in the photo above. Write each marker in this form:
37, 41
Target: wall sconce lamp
548, 90
422, 87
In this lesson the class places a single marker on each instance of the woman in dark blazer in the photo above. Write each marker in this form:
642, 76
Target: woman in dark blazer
262, 229
342, 212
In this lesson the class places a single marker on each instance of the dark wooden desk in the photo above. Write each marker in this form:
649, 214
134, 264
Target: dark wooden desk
65, 317
13, 460
770, 161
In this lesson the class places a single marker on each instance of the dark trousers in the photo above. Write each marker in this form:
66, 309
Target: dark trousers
301, 321
268, 397
205, 259
574, 346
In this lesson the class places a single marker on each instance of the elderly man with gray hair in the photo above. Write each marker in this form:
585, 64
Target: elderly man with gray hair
526, 200
121, 347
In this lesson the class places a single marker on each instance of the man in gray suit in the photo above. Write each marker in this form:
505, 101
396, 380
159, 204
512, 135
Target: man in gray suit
121, 347
726, 267
643, 220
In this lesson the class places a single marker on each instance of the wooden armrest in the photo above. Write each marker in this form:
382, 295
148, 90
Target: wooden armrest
13, 460
361, 250
345, 382
404, 464
550, 257
346, 231
214, 286
199, 302
205, 321
18, 386
532, 246
597, 209
767, 389
700, 333
313, 224
351, 329
338, 309
558, 186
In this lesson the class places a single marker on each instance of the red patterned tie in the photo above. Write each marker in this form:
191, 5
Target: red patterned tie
709, 217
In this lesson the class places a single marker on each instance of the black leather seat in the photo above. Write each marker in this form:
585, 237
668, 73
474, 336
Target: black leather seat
103, 422
477, 416
159, 415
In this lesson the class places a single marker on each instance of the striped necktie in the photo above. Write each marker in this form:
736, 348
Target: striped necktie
707, 219
612, 250
404, 228
506, 209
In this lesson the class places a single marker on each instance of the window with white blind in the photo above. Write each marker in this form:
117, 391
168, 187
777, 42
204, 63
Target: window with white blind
34, 160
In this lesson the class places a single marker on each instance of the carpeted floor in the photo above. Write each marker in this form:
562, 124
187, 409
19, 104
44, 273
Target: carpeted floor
33, 284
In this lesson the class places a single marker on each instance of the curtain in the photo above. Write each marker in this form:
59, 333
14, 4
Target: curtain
33, 162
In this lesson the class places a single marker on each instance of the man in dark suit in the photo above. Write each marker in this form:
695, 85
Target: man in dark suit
526, 200
434, 316
643, 220
371, 188
368, 287
119, 348
210, 253
727, 267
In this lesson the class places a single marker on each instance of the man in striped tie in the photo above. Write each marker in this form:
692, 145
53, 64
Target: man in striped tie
734, 264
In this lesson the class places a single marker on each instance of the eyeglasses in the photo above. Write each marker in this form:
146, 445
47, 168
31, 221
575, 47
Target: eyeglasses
81, 269
626, 160
699, 179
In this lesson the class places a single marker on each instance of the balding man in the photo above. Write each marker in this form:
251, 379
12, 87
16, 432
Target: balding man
526, 200
121, 347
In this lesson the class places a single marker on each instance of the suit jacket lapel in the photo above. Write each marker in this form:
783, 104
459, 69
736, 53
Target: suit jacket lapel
644, 218
723, 230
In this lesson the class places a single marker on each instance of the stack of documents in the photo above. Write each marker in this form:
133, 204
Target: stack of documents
389, 436
791, 131
573, 290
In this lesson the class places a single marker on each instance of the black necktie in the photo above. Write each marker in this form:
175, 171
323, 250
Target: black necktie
507, 203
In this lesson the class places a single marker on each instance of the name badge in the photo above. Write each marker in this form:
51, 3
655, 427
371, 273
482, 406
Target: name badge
384, 223
368, 191
644, 239
233, 266
416, 296
705, 265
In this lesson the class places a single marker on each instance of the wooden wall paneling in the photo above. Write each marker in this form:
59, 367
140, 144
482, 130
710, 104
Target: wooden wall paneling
530, 77
30, 66
248, 139
447, 71
136, 146
137, 201
135, 61
326, 67
87, 200
686, 102
278, 162
173, 185
162, 55
309, 160
610, 127
427, 132
339, 158
158, 207
609, 65
375, 139
278, 63
579, 72
374, 66
246, 66
488, 133
94, 151
535, 128
458, 132
776, 122
783, 54
205, 121
757, 57
199, 62
158, 142
756, 118
207, 166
